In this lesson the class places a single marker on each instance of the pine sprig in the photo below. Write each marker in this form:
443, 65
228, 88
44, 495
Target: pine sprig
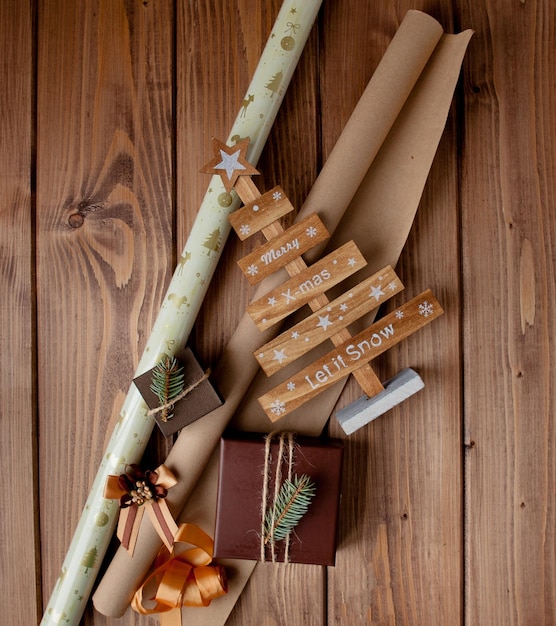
167, 383
291, 505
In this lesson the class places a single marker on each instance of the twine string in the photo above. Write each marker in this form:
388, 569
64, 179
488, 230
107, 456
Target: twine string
282, 437
290, 471
266, 476
180, 396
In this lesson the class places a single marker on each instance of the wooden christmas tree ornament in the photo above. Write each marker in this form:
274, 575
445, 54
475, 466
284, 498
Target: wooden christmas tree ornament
329, 320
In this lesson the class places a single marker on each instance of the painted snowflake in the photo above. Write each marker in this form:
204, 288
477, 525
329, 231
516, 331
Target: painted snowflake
399, 315
425, 308
244, 229
252, 270
290, 386
392, 286
311, 232
278, 407
277, 195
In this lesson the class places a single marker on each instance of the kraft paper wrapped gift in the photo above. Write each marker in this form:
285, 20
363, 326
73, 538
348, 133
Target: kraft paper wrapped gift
242, 477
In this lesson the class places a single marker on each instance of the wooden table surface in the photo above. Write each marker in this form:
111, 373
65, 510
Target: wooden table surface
107, 109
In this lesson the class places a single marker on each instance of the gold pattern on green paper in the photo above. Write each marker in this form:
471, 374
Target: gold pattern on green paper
237, 138
101, 519
250, 98
121, 419
184, 258
62, 576
89, 560
274, 84
225, 200
212, 242
58, 617
116, 461
288, 42
176, 300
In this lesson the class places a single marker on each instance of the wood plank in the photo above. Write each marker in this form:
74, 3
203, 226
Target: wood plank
260, 213
306, 286
104, 195
20, 575
343, 311
400, 557
349, 356
223, 40
284, 248
508, 235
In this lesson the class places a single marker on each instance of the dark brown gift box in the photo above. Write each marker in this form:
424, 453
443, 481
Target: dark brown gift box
238, 516
198, 402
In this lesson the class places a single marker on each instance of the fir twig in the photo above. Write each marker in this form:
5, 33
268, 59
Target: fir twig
167, 383
291, 505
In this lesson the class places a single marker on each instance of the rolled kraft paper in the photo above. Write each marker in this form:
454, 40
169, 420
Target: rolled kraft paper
386, 219
379, 221
171, 330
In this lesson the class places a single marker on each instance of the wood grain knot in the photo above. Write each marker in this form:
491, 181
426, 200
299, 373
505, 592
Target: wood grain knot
75, 220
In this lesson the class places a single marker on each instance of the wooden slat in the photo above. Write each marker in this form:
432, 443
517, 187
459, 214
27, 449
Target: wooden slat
340, 313
256, 215
400, 558
306, 286
348, 357
283, 249
509, 224
104, 195
20, 572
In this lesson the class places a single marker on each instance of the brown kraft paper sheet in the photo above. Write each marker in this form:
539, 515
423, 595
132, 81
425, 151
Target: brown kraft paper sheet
402, 112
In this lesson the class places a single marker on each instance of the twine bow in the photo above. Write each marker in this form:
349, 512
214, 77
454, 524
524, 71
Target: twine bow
185, 579
138, 492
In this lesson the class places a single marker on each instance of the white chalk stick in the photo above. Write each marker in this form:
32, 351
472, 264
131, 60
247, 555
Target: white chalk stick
365, 409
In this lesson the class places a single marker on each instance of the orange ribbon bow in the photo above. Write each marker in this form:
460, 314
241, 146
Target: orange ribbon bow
185, 579
138, 492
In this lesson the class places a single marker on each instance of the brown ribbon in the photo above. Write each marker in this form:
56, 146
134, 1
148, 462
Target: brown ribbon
156, 508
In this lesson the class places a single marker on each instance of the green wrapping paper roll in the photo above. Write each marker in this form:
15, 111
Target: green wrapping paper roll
173, 325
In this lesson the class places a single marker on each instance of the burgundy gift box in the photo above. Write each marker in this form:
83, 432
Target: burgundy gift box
238, 516
198, 402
